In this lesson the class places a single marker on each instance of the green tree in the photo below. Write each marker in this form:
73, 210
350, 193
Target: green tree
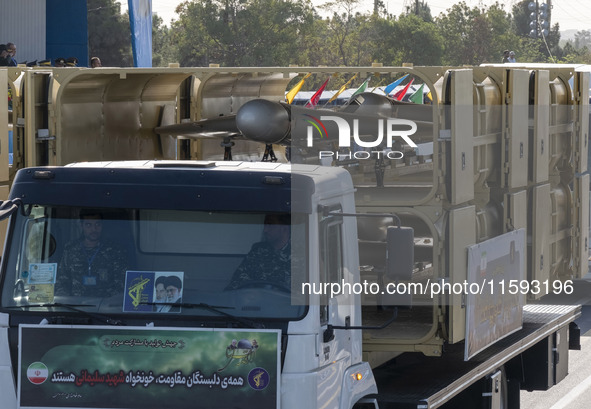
570, 54
474, 36
415, 41
315, 49
241, 32
420, 8
462, 33
108, 33
503, 34
582, 39
552, 42
345, 43
163, 52
521, 19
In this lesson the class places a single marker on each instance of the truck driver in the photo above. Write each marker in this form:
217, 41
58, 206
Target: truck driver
269, 261
91, 266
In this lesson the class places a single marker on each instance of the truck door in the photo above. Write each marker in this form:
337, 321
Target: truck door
335, 300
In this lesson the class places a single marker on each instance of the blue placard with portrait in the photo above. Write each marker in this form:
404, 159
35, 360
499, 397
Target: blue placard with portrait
153, 291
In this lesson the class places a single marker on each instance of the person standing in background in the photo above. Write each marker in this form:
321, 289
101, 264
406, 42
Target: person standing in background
11, 49
95, 62
505, 56
5, 58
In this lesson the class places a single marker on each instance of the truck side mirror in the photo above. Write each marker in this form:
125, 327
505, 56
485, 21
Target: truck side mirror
8, 207
400, 253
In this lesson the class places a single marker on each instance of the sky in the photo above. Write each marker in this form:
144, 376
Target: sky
571, 14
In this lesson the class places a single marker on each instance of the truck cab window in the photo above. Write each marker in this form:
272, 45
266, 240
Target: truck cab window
148, 261
331, 259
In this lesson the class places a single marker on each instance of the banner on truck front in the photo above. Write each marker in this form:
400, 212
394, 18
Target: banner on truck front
138, 367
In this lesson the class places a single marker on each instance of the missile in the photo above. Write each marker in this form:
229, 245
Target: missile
264, 121
270, 122
223, 126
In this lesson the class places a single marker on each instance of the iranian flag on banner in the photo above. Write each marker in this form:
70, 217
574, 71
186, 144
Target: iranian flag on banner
37, 373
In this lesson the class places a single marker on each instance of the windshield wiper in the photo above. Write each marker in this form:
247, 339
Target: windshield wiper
74, 307
213, 308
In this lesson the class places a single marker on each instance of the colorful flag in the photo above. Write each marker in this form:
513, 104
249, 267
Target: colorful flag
340, 91
400, 94
361, 88
291, 94
393, 85
417, 97
316, 97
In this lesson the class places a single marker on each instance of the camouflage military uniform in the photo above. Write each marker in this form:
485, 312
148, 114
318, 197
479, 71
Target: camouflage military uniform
264, 263
98, 272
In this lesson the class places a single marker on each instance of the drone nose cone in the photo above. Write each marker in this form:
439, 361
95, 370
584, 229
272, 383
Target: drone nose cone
264, 121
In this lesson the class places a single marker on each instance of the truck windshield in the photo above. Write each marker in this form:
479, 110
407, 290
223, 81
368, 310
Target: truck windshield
154, 262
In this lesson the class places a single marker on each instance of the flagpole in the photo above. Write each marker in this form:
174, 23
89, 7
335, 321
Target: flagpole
340, 91
379, 84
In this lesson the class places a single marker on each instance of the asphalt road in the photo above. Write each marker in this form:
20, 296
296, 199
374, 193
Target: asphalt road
574, 392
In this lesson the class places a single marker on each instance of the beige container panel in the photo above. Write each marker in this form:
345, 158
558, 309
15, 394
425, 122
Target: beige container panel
111, 114
489, 220
488, 166
515, 143
487, 104
581, 85
487, 135
516, 210
4, 191
462, 159
561, 230
561, 128
461, 234
225, 93
539, 130
4, 126
417, 329
581, 239
36, 97
539, 236
15, 77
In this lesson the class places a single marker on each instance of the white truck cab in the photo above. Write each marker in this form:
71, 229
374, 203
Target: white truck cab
196, 222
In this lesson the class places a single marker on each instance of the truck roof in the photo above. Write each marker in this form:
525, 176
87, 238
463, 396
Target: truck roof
333, 179
187, 164
182, 185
